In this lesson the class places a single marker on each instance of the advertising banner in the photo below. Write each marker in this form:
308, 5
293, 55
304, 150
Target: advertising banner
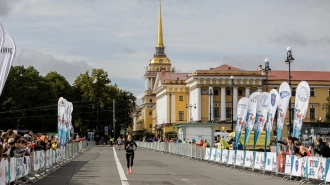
327, 168
207, 154
218, 155
301, 106
249, 159
242, 108
283, 102
12, 169
225, 156
299, 167
213, 154
261, 116
231, 156
259, 160
3, 171
7, 56
251, 115
239, 157
272, 106
281, 163
316, 168
2, 35
288, 163
270, 163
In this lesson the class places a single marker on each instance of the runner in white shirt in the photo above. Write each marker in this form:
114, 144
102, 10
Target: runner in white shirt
119, 141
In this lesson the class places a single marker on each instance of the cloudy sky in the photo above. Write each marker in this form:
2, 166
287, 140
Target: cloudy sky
119, 36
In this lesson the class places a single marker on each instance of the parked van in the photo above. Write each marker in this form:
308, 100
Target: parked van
249, 145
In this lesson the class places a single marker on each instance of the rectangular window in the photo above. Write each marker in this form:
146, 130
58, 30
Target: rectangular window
150, 100
180, 98
293, 92
312, 112
329, 93
240, 92
150, 112
227, 92
312, 92
216, 92
216, 112
228, 113
150, 125
181, 115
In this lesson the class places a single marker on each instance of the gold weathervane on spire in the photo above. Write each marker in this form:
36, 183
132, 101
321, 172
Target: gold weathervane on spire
160, 28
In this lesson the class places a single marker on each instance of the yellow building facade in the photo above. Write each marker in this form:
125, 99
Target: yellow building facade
208, 96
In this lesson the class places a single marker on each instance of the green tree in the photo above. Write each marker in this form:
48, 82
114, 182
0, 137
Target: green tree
60, 85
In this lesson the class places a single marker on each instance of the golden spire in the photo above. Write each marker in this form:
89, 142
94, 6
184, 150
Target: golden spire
160, 28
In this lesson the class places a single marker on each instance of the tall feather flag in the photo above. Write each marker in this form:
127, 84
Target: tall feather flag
2, 36
261, 118
251, 115
301, 106
283, 102
61, 107
7, 56
242, 108
273, 98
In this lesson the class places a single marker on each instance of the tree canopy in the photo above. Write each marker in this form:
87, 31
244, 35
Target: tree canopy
29, 101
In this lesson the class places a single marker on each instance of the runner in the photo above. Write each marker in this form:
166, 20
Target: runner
119, 142
129, 147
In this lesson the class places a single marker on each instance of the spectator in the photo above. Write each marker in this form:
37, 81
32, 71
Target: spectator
322, 149
10, 132
201, 143
301, 150
224, 144
154, 139
218, 139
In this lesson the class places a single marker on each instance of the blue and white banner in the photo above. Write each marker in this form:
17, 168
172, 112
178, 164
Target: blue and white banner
7, 56
249, 159
272, 106
283, 102
218, 155
259, 160
316, 168
301, 106
231, 157
270, 162
225, 156
239, 158
242, 108
251, 115
261, 118
299, 167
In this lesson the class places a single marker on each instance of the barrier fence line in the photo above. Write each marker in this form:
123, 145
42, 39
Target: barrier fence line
40, 162
291, 166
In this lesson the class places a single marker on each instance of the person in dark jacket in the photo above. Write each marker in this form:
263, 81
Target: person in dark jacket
129, 147
322, 149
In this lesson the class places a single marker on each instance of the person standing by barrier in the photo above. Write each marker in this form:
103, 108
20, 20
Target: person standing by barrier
322, 149
301, 150
129, 147
111, 141
119, 142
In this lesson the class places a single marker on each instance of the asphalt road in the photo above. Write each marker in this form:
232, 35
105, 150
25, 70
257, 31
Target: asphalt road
99, 166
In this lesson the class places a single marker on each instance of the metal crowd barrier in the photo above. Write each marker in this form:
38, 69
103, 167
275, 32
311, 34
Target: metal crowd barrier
317, 168
40, 163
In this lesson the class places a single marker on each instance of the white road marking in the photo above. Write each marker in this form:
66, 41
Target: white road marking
188, 181
120, 169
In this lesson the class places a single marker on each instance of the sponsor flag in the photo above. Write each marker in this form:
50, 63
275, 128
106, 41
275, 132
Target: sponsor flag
273, 97
70, 120
2, 36
301, 106
7, 55
251, 115
283, 102
261, 116
242, 108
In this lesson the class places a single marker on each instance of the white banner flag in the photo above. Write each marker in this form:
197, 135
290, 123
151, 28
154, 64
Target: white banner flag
2, 36
7, 55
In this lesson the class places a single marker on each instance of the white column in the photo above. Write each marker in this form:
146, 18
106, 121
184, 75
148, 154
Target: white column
211, 105
146, 83
235, 102
151, 82
199, 104
259, 89
223, 104
247, 91
134, 123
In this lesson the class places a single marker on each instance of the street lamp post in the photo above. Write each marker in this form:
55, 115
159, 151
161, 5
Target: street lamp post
289, 60
210, 94
232, 103
267, 68
191, 106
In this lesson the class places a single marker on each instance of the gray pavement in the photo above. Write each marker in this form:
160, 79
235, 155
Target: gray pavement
98, 166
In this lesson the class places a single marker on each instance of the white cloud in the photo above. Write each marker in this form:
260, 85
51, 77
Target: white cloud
120, 36
46, 63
